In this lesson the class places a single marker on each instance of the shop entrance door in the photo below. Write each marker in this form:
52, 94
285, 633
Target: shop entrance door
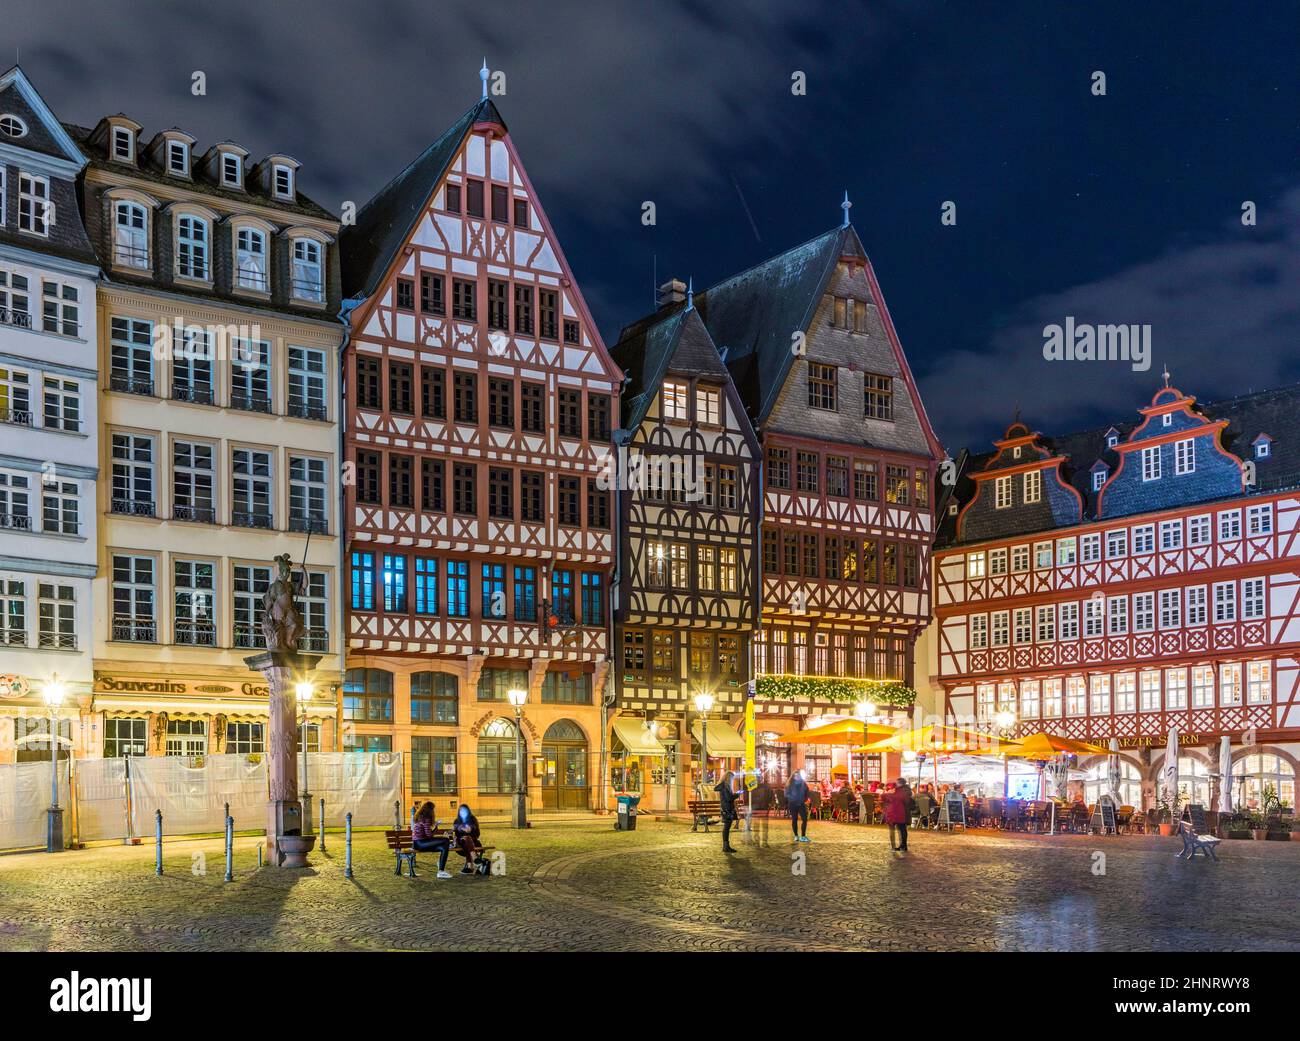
564, 770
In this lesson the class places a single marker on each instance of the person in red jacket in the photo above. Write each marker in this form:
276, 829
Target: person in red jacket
896, 806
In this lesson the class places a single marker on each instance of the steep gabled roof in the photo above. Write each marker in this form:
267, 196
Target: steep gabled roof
44, 132
671, 340
386, 221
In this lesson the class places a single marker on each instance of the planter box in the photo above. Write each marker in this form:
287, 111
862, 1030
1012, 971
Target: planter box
1278, 836
1241, 835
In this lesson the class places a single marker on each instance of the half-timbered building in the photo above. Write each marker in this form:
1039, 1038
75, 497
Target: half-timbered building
481, 404
849, 456
1132, 580
687, 597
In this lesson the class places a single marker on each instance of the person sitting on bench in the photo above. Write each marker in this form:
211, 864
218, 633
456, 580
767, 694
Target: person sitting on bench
426, 838
465, 830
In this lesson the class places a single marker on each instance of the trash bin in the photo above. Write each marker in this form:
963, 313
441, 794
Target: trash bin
626, 818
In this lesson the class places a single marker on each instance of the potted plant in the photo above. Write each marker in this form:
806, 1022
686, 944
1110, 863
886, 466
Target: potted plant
1258, 826
1236, 825
1164, 815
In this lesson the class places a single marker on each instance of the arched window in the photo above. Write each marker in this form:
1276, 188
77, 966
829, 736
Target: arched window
1253, 775
250, 259
564, 730
308, 283
1193, 781
130, 235
1096, 783
496, 758
368, 696
192, 247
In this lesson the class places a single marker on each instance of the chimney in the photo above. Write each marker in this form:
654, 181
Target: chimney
672, 292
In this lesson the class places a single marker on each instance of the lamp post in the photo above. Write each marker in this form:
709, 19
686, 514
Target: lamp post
865, 711
1005, 720
305, 690
519, 813
53, 696
704, 705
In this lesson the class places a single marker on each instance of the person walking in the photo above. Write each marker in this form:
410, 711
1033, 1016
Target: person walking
727, 797
897, 811
796, 802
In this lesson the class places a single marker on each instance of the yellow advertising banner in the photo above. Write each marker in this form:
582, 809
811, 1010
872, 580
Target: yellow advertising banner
751, 765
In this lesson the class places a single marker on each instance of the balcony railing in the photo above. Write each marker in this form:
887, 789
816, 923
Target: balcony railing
307, 289
194, 395
196, 634
132, 507
134, 630
19, 417
21, 319
305, 410
248, 635
315, 525
317, 640
16, 521
131, 256
246, 402
131, 384
196, 514
250, 278
58, 641
13, 638
256, 519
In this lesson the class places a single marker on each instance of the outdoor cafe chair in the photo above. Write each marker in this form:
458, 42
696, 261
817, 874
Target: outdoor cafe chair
994, 808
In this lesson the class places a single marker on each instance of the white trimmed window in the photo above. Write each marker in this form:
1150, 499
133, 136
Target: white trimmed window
1259, 519
1098, 479
308, 279
35, 210
1069, 621
60, 308
997, 562
130, 235
1171, 609
1149, 690
1052, 698
979, 632
1001, 628
1116, 544
232, 170
123, 145
59, 508
1029, 699
985, 700
1144, 612
1252, 598
1090, 548
708, 409
1046, 623
1076, 696
307, 383
1225, 602
676, 402
1199, 531
1125, 692
1033, 486
1230, 683
178, 158
1196, 605
1100, 702
192, 247
250, 259
1066, 551
1203, 686
1171, 534
1185, 456
1229, 525
13, 613
308, 494
62, 404
1094, 616
1024, 627
1019, 559
1175, 689
15, 502
1007, 696
282, 181
56, 606
1144, 539
974, 565
1259, 682
1117, 609
1151, 464
1042, 556
1001, 493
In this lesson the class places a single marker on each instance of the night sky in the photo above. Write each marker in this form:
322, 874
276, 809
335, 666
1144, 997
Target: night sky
1117, 209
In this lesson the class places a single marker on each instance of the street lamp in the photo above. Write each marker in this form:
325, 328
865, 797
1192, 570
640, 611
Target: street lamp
864, 710
53, 696
1005, 719
305, 691
704, 705
519, 816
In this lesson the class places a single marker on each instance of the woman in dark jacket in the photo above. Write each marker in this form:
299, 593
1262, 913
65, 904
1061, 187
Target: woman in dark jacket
897, 812
728, 798
465, 831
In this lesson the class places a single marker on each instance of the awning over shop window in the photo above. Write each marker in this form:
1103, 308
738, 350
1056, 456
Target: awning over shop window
637, 738
724, 743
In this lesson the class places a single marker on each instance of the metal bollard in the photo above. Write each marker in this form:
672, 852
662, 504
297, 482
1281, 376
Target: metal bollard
259, 854
347, 830
230, 847
397, 814
322, 825
157, 838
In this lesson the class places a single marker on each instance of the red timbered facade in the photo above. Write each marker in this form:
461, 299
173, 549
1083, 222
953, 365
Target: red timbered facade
481, 405
1120, 584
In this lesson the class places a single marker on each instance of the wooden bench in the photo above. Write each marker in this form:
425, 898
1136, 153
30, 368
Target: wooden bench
703, 811
399, 841
1194, 843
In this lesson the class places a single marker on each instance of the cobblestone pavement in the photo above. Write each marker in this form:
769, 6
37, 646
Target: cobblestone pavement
582, 886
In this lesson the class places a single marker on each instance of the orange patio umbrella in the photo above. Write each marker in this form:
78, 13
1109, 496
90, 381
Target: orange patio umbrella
1048, 746
841, 732
950, 739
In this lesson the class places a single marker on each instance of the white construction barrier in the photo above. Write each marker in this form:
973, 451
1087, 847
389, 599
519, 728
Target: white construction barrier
101, 799
24, 798
365, 784
192, 792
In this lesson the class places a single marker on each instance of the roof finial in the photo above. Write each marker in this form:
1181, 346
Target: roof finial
690, 293
846, 206
1017, 419
1166, 376
483, 75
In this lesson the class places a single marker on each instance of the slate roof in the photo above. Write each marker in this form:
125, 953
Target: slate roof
673, 339
1273, 412
386, 221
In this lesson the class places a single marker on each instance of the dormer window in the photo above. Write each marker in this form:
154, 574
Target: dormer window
675, 401
1151, 464
232, 170
1262, 449
1015, 452
308, 280
1112, 437
1001, 493
130, 235
178, 158
250, 259
1167, 419
952, 509
192, 248
123, 149
282, 182
1098, 478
